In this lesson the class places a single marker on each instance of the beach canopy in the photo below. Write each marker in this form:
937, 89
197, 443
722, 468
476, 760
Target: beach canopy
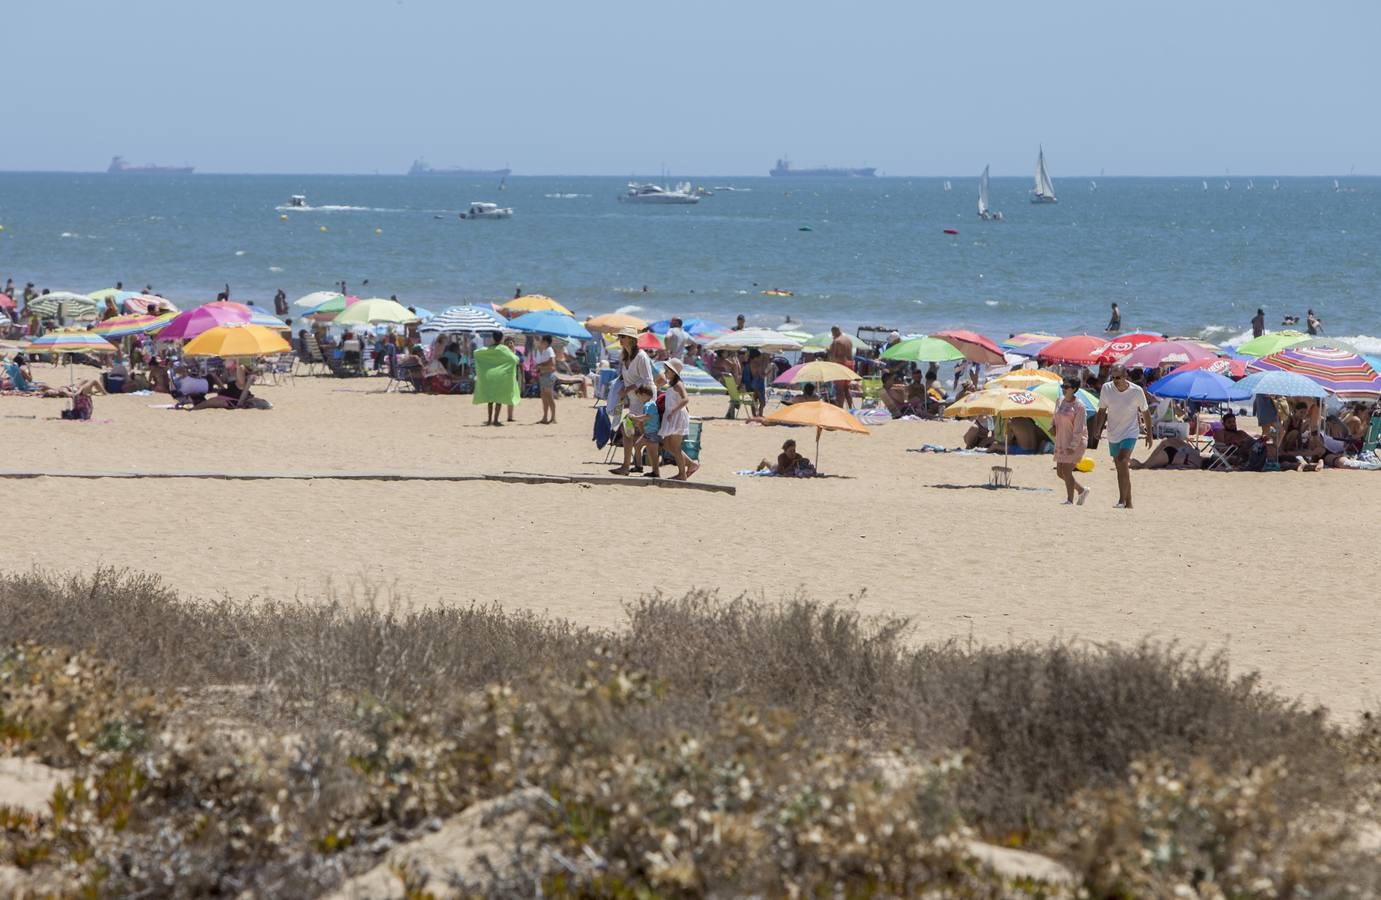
1200, 385
1024, 379
923, 349
549, 322
533, 303
824, 416
466, 318
134, 323
1001, 403
76, 306
187, 325
375, 311
1341, 372
1233, 368
696, 380
1079, 350
1029, 343
615, 321
1271, 342
1278, 383
260, 317
1154, 354
756, 338
69, 342
309, 302
817, 371
1054, 392
236, 339
975, 347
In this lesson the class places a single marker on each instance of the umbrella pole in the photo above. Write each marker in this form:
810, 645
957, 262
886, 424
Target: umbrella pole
818, 432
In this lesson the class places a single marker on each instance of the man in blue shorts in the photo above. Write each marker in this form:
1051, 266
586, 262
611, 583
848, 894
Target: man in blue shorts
1122, 407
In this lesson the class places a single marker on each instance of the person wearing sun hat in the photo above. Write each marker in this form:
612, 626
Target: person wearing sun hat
676, 421
635, 370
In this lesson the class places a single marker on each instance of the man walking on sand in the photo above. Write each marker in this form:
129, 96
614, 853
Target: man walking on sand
842, 351
1122, 408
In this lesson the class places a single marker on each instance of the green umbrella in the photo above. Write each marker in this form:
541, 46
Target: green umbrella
1271, 342
923, 349
1054, 391
822, 341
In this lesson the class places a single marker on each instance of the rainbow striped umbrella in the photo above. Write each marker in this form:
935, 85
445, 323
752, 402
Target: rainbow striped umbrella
1029, 343
124, 326
1341, 372
69, 342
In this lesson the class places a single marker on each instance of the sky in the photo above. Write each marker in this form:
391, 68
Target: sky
914, 88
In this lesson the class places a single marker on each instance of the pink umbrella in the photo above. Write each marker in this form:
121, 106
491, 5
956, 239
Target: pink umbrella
974, 346
140, 304
1158, 353
1233, 368
189, 324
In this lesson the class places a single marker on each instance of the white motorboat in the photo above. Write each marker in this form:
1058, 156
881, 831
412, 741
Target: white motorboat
983, 211
656, 193
1044, 191
297, 201
487, 211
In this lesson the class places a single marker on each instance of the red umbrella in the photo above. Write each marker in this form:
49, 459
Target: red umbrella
649, 341
1123, 344
1233, 368
1154, 354
1080, 350
974, 346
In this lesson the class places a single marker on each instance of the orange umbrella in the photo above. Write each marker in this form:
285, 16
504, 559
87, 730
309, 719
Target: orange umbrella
612, 322
824, 416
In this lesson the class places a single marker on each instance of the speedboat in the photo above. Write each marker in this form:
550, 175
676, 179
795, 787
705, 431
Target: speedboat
487, 211
656, 193
297, 201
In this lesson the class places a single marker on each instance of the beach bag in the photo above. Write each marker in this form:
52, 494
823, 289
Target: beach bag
603, 430
1256, 458
82, 407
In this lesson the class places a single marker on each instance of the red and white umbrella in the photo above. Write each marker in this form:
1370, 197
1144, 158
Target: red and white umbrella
974, 346
1154, 354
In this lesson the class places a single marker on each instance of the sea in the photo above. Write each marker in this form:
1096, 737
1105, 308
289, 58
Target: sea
1178, 259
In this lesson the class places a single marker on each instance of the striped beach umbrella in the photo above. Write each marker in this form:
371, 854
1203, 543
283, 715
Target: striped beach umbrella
74, 306
466, 318
1341, 372
69, 342
1028, 343
259, 317
309, 302
134, 323
696, 380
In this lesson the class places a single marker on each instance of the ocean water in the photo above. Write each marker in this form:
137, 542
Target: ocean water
1176, 258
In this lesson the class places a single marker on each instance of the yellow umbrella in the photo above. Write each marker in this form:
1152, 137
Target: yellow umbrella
534, 303
375, 311
824, 416
1004, 404
236, 339
612, 322
819, 371
1023, 379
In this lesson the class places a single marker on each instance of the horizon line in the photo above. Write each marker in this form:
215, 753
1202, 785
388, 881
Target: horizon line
785, 180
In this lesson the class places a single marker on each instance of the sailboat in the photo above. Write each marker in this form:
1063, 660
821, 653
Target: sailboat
1251, 185
1205, 187
1092, 186
1275, 185
1227, 185
1044, 192
503, 184
983, 212
1336, 189
947, 186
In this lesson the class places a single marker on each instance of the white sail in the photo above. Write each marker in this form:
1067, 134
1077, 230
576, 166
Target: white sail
1092, 185
947, 184
1275, 185
1335, 186
1251, 185
1045, 191
1205, 185
983, 193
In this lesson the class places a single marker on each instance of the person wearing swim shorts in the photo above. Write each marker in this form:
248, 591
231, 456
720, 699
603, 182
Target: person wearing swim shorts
1122, 407
545, 358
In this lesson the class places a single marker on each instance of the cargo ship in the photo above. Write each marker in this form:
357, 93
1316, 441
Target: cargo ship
784, 167
118, 166
420, 167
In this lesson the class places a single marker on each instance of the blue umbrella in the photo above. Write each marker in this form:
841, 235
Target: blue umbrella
1198, 384
549, 322
692, 327
1282, 384
259, 317
421, 312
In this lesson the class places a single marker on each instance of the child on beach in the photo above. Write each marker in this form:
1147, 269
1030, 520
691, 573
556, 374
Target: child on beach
648, 421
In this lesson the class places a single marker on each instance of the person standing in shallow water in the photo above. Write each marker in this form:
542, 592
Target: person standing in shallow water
1115, 320
1259, 323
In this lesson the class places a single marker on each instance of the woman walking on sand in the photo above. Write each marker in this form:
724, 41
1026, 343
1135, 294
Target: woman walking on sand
1071, 440
676, 421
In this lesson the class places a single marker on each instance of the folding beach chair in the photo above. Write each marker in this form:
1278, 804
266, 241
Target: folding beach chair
1373, 434
737, 398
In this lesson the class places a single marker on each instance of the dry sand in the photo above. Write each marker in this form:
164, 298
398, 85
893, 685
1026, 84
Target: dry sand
1277, 568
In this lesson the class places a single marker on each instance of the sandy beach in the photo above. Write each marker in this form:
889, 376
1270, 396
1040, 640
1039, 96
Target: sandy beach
1276, 568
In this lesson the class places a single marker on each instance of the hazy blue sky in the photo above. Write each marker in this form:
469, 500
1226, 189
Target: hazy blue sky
704, 88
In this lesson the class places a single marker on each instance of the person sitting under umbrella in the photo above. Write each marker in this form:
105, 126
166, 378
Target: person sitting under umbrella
790, 464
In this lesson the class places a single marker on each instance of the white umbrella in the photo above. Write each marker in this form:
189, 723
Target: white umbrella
757, 338
466, 318
314, 299
74, 306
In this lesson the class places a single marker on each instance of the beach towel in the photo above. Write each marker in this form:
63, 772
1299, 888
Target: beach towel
930, 448
496, 376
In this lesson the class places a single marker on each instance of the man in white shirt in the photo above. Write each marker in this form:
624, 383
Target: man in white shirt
1122, 407
675, 340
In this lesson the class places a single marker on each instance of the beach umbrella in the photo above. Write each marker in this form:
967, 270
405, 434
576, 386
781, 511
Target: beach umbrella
309, 302
1029, 343
1271, 342
140, 303
549, 322
755, 338
69, 342
1120, 346
1003, 404
1024, 379
533, 303
696, 380
824, 416
333, 306
421, 312
259, 317
975, 347
818, 343
1154, 354
1200, 385
818, 370
1079, 350
1343, 373
799, 336
466, 318
133, 323
187, 325
1233, 368
609, 323
1054, 392
1278, 383
923, 349
700, 329
375, 311
236, 339
649, 341
76, 306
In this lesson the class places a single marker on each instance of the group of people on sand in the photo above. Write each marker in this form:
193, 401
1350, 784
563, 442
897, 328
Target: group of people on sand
651, 411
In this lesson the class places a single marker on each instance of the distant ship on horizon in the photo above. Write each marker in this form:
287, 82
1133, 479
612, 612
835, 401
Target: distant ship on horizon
118, 166
420, 167
784, 167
